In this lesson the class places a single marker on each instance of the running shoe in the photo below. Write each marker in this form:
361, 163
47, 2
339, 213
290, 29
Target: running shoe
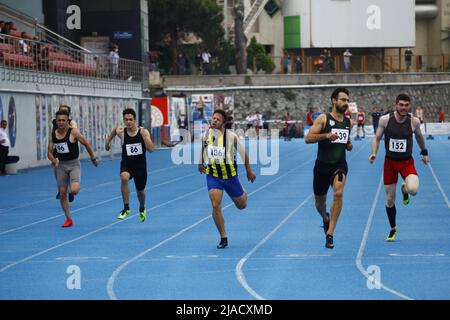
142, 215
123, 214
392, 235
71, 197
68, 223
329, 241
223, 243
405, 196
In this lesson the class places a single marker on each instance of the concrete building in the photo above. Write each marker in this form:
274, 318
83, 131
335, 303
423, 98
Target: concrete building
381, 29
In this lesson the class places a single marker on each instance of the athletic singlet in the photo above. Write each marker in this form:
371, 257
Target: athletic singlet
398, 138
133, 149
360, 118
65, 150
334, 151
220, 156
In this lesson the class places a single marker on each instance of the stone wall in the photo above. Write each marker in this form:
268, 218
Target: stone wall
298, 93
298, 101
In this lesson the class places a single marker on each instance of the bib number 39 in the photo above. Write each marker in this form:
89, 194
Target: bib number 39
342, 135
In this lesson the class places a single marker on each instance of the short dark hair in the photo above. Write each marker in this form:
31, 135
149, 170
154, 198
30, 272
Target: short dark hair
129, 111
65, 106
3, 121
336, 92
221, 112
402, 96
62, 113
229, 122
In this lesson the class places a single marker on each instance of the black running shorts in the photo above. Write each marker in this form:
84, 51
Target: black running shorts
324, 174
139, 174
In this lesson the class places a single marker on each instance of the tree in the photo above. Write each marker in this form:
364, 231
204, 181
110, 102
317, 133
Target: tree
257, 54
240, 39
169, 19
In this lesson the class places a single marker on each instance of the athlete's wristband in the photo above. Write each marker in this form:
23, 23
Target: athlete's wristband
424, 152
94, 159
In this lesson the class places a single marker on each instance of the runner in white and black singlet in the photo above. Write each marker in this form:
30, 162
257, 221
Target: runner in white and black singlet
63, 152
72, 125
135, 142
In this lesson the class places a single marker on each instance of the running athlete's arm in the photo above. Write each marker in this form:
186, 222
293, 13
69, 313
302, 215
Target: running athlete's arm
201, 166
314, 134
147, 140
415, 123
377, 138
77, 135
110, 138
50, 156
244, 156
73, 124
349, 145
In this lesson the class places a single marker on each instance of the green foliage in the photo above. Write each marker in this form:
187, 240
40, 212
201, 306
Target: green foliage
169, 18
256, 52
226, 56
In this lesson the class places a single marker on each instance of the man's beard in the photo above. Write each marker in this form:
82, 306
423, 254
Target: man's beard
342, 109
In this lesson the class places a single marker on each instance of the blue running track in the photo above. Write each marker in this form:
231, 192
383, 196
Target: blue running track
276, 245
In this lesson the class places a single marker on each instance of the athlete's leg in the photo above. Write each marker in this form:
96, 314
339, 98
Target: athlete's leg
241, 202
321, 206
336, 204
125, 178
391, 210
216, 201
141, 198
63, 179
390, 194
64, 201
56, 177
321, 183
411, 185
75, 188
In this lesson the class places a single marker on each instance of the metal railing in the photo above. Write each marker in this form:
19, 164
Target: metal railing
18, 53
368, 64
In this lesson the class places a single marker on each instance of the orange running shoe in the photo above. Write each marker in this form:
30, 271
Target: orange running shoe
68, 223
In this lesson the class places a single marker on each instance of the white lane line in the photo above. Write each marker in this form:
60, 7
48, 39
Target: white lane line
81, 258
439, 185
115, 274
91, 205
28, 204
417, 255
92, 232
301, 255
358, 259
239, 274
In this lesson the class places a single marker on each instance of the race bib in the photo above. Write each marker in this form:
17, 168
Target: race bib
397, 145
133, 149
342, 135
217, 153
62, 147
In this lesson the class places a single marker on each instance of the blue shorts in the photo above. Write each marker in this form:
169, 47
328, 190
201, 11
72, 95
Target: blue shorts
231, 186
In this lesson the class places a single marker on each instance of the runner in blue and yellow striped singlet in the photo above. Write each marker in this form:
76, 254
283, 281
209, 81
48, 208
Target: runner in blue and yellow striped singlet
218, 161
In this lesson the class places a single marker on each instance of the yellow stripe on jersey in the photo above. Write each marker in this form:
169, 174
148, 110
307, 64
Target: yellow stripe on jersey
230, 158
224, 168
